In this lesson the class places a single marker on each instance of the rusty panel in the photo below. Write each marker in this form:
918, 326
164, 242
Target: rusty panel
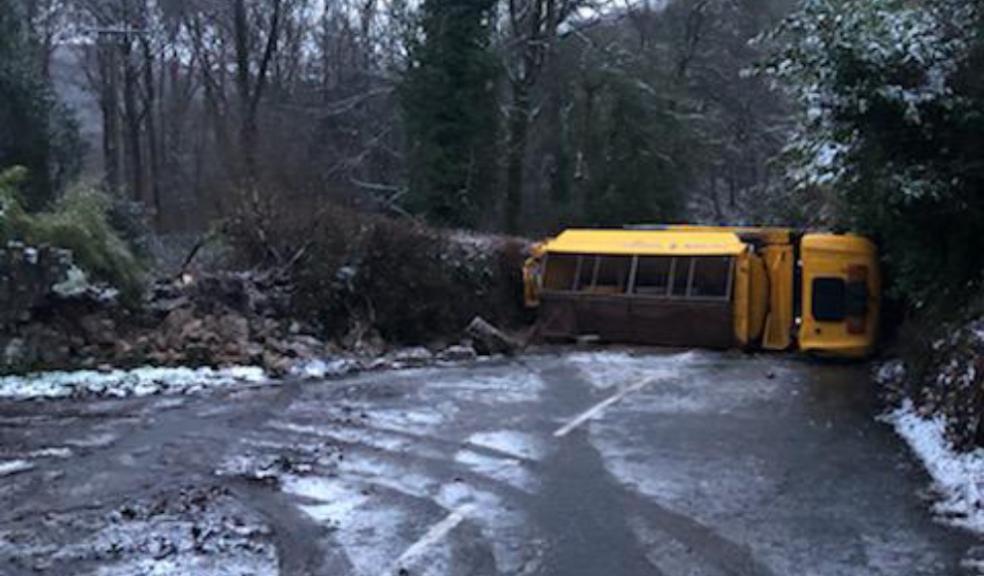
638, 320
557, 316
683, 322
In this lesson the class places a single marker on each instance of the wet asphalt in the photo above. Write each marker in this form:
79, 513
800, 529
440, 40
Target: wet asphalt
713, 464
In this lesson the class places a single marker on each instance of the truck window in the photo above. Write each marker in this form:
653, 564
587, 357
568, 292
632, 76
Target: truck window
613, 274
829, 299
682, 270
586, 273
711, 277
560, 270
652, 275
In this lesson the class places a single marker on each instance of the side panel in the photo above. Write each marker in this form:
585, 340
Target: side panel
758, 303
658, 321
750, 298
681, 323
841, 295
779, 321
741, 297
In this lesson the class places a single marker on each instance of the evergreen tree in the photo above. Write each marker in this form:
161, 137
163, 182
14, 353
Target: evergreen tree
449, 111
889, 137
636, 159
36, 132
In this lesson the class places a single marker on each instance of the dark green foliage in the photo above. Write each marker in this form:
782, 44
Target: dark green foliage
35, 130
891, 141
449, 110
77, 221
637, 170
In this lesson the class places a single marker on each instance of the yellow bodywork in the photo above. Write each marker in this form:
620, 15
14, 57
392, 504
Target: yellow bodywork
646, 242
833, 256
750, 299
779, 321
772, 297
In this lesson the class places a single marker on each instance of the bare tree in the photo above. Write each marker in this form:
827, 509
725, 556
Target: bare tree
251, 88
531, 29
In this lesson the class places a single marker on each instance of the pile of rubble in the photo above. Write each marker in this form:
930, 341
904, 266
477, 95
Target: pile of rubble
221, 319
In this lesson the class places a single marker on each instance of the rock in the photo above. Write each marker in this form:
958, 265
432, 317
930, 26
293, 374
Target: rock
276, 364
413, 357
233, 327
379, 364
490, 340
194, 331
15, 353
54, 355
123, 350
458, 353
99, 329
173, 325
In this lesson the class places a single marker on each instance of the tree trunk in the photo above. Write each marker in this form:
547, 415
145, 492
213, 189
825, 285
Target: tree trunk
153, 156
132, 118
251, 93
109, 93
519, 121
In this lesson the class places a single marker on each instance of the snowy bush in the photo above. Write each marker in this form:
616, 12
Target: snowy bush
888, 136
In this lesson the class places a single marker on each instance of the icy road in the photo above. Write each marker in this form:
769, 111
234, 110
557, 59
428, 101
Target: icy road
576, 463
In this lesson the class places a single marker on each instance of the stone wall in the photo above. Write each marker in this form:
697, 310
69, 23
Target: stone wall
28, 276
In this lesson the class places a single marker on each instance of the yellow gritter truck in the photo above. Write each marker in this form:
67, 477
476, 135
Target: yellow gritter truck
718, 287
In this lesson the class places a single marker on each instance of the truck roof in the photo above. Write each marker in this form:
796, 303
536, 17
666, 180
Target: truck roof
646, 242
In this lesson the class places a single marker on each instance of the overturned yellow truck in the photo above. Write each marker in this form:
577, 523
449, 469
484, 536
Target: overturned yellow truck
717, 287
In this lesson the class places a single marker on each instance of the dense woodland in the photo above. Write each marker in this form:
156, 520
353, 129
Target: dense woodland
520, 116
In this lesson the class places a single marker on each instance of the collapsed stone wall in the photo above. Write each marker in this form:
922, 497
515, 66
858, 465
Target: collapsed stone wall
55, 320
29, 275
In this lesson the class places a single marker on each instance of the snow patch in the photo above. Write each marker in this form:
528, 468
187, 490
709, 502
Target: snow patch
14, 466
371, 533
890, 373
318, 368
515, 547
959, 478
335, 500
144, 381
511, 442
611, 369
489, 388
52, 452
507, 470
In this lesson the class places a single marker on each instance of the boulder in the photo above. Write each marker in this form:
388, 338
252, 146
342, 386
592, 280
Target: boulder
490, 340
98, 329
233, 328
458, 353
413, 357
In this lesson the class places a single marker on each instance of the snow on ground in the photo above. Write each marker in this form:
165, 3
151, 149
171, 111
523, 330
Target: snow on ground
9, 467
483, 387
959, 478
318, 368
511, 442
613, 369
372, 533
503, 469
143, 381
